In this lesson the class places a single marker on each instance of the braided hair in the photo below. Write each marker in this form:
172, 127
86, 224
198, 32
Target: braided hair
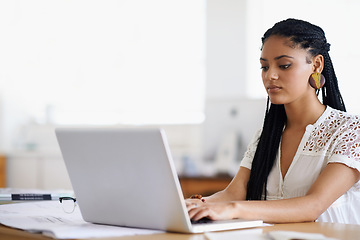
311, 38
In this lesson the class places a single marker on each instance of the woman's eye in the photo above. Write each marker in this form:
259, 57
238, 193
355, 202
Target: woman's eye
285, 66
264, 68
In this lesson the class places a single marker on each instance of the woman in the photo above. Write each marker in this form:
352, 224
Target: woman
306, 159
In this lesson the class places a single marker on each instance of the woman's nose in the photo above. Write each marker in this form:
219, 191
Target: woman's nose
272, 74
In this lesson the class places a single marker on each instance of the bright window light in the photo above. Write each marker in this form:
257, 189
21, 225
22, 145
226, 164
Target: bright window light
105, 62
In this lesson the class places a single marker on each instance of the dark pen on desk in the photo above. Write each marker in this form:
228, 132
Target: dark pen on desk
28, 197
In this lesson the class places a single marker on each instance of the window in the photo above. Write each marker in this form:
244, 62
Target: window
104, 62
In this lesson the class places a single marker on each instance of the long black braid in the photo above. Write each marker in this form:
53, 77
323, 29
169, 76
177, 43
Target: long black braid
309, 37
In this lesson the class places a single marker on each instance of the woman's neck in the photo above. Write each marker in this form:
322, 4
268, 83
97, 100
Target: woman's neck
299, 116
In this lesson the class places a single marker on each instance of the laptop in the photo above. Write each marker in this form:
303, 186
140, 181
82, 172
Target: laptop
126, 177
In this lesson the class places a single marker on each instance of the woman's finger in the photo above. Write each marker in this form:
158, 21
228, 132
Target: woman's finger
200, 213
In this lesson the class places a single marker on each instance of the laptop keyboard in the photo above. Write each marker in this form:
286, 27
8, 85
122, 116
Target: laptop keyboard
203, 220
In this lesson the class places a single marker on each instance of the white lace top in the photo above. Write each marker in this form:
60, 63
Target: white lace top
335, 137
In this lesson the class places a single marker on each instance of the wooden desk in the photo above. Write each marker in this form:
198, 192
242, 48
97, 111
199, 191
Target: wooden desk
2, 171
334, 230
203, 185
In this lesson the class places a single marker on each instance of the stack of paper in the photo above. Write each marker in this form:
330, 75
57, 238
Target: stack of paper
49, 218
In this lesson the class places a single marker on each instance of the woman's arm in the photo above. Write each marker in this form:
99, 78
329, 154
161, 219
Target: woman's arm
333, 182
235, 191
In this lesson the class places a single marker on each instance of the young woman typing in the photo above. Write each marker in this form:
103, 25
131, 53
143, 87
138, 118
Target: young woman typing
304, 164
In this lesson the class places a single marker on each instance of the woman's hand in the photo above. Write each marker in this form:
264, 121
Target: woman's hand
223, 205
211, 210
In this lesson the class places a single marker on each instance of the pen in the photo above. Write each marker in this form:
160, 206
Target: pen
27, 197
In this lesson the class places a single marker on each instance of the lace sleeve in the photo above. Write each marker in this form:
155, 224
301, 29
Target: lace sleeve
250, 152
347, 150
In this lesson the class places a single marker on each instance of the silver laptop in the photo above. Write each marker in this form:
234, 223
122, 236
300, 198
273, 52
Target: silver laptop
126, 177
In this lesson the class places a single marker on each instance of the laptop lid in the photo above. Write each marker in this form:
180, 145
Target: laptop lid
126, 177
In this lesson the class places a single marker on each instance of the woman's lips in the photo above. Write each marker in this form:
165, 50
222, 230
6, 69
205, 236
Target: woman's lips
273, 89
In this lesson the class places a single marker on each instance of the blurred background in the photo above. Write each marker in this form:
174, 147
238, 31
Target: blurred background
190, 67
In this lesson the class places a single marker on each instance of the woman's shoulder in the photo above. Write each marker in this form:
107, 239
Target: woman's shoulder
338, 135
335, 131
335, 118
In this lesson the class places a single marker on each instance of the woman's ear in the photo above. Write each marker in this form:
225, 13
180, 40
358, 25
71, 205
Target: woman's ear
318, 63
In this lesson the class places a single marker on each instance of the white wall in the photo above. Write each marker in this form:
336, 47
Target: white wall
228, 108
226, 49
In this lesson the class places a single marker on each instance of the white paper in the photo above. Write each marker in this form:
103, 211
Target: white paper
246, 234
288, 235
48, 218
256, 234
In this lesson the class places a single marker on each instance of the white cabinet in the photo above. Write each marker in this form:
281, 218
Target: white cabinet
37, 170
